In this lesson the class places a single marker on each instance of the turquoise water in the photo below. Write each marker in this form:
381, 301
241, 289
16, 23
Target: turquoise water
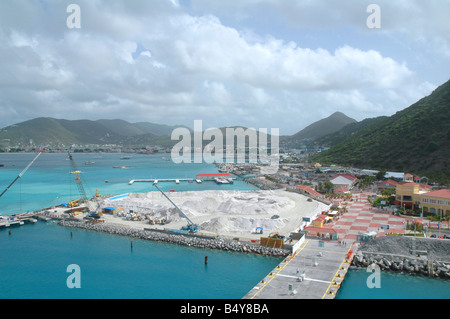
393, 286
35, 257
49, 182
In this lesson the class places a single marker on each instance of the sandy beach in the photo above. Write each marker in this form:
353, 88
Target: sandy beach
226, 213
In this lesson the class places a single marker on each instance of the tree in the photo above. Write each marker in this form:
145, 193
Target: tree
380, 175
329, 186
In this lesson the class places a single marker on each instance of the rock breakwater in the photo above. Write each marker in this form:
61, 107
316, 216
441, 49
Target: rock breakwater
192, 241
422, 256
413, 266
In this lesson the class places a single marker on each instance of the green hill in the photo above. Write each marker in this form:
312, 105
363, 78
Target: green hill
347, 131
316, 130
50, 131
416, 139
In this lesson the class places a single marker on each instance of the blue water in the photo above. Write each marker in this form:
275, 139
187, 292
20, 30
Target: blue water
393, 286
35, 257
49, 182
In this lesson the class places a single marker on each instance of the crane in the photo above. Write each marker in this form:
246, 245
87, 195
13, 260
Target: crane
20, 175
76, 172
191, 227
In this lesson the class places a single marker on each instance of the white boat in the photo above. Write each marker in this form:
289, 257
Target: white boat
198, 180
177, 181
221, 181
89, 163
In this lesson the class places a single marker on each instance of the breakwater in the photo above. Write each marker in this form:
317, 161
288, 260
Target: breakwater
406, 264
192, 241
416, 256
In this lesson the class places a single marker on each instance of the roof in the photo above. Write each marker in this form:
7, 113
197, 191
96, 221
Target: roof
347, 176
341, 189
445, 193
343, 179
388, 181
309, 189
320, 229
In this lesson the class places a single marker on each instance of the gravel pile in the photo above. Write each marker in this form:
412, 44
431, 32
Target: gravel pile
193, 241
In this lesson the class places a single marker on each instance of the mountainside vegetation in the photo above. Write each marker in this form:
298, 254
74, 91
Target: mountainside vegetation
318, 129
416, 139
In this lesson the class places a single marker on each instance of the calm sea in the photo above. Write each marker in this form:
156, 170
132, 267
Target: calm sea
35, 257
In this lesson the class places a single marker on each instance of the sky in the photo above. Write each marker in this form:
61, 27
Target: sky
256, 63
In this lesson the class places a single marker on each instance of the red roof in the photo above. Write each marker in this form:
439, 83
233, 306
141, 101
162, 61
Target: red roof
388, 181
341, 189
320, 229
440, 193
308, 189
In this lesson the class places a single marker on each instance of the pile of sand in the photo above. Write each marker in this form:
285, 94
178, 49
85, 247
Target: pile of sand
226, 212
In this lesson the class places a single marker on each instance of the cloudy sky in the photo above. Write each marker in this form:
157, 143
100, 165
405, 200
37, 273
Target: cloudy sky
257, 63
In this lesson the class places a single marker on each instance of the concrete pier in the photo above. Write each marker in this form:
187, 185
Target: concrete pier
315, 271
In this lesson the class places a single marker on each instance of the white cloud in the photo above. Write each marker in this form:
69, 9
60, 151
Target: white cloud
157, 61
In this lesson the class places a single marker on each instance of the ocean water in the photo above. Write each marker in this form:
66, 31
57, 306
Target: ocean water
35, 258
48, 182
393, 286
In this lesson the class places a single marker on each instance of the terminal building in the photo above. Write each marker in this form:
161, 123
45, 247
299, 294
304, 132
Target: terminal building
409, 194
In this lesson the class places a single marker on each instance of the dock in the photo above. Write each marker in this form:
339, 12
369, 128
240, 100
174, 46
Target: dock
315, 271
17, 220
152, 180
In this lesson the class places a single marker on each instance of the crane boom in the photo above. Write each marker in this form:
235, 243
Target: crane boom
20, 175
77, 173
190, 223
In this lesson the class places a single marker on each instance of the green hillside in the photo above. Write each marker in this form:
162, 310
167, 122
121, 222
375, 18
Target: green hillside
347, 131
416, 139
318, 129
38, 131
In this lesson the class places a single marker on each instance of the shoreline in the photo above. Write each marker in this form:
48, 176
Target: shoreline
190, 241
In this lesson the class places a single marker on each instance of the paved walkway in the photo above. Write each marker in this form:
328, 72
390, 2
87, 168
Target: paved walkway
323, 268
362, 217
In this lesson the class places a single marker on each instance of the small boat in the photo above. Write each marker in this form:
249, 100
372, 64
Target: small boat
2, 165
89, 163
177, 181
198, 180
121, 167
125, 157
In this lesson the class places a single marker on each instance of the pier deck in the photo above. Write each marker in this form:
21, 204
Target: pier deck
322, 270
151, 180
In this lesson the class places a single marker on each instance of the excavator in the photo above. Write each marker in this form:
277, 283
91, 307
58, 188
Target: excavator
191, 227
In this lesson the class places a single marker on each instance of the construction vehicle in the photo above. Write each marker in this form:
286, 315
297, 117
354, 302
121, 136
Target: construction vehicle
76, 172
275, 234
191, 228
